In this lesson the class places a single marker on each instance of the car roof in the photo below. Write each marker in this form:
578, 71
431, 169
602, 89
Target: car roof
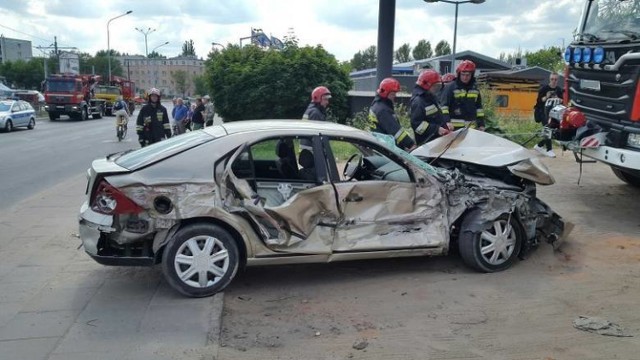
302, 126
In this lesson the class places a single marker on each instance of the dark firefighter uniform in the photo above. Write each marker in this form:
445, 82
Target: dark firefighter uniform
315, 111
152, 124
426, 115
382, 119
463, 101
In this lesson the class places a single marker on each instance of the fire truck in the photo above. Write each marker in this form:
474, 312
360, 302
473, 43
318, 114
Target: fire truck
128, 90
600, 120
71, 94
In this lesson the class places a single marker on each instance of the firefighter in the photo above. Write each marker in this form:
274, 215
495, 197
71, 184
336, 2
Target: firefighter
153, 123
427, 120
461, 98
317, 109
382, 117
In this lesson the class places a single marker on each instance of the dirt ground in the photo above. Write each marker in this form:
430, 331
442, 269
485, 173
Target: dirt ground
435, 308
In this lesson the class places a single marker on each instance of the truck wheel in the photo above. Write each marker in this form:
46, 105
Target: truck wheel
53, 116
100, 113
630, 177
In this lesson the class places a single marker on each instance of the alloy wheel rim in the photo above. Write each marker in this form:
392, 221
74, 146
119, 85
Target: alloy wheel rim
498, 242
201, 261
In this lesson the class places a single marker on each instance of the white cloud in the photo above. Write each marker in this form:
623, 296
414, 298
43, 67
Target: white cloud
342, 27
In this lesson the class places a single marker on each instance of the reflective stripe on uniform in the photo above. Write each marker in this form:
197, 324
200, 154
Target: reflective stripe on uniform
445, 110
139, 127
167, 126
422, 127
400, 135
431, 109
480, 112
459, 93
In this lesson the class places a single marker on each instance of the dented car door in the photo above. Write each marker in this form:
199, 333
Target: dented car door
295, 212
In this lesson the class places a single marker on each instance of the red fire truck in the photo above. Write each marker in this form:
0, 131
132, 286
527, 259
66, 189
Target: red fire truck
601, 119
70, 94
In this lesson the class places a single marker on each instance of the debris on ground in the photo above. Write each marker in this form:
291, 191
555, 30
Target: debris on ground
599, 326
360, 344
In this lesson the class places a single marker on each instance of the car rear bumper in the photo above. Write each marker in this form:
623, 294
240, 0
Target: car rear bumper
92, 229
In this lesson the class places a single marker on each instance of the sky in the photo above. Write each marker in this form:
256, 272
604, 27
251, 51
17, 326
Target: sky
342, 27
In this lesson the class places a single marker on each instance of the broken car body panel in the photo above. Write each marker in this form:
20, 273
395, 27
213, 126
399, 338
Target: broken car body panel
393, 204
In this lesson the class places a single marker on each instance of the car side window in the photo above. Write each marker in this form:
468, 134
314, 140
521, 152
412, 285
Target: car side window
359, 161
283, 159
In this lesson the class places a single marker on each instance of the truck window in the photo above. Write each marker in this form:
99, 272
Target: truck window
63, 86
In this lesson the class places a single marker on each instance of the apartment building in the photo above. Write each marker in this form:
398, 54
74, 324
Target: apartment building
148, 73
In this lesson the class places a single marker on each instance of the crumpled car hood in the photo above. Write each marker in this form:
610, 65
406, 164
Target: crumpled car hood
477, 147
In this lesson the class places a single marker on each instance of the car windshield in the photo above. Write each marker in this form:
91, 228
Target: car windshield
390, 143
610, 20
57, 85
163, 149
5, 106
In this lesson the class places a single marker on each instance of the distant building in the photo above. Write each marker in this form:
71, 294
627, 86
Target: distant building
14, 49
148, 73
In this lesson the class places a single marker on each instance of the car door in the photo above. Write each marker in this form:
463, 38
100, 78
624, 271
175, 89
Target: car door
282, 187
383, 206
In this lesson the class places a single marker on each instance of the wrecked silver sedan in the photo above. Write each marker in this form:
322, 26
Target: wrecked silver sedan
209, 202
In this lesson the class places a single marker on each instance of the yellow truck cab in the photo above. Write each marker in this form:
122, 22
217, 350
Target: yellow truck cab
109, 94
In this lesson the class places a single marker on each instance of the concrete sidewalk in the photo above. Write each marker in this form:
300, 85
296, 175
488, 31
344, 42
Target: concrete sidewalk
57, 303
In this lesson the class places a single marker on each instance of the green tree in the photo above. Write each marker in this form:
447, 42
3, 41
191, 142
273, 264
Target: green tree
188, 48
403, 54
180, 78
422, 50
443, 48
548, 58
200, 84
252, 83
156, 55
22, 74
365, 59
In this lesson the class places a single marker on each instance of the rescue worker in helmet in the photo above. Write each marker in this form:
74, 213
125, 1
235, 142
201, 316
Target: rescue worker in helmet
382, 117
427, 120
317, 109
152, 124
461, 98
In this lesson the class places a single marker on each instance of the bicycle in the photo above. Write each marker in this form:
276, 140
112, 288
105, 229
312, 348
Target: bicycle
121, 124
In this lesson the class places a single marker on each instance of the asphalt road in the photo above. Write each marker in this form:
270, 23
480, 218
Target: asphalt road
33, 160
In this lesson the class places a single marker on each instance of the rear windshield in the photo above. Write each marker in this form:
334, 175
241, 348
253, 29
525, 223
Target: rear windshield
135, 159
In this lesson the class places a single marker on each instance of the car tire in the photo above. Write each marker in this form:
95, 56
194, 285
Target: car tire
8, 126
99, 114
84, 114
32, 124
192, 275
627, 176
478, 247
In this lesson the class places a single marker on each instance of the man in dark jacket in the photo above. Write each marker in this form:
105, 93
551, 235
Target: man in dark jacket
153, 124
427, 120
382, 117
549, 96
461, 98
197, 120
317, 109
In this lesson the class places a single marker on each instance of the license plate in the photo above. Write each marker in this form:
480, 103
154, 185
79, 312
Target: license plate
590, 84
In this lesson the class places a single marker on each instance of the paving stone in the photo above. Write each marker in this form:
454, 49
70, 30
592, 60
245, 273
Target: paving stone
27, 349
38, 324
51, 299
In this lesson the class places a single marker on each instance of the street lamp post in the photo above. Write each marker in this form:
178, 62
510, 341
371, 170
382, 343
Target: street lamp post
145, 33
155, 75
215, 43
108, 43
455, 25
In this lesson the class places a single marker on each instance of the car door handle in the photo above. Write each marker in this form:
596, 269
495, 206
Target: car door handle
353, 198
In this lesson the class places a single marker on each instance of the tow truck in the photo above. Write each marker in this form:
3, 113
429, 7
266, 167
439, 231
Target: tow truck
600, 120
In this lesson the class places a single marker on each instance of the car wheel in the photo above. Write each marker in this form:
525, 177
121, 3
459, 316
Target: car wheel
629, 177
200, 260
8, 126
494, 248
84, 115
32, 124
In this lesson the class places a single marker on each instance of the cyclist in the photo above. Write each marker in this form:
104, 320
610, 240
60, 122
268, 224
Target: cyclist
122, 116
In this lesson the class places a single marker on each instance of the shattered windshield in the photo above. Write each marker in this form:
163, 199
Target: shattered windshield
610, 20
391, 145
